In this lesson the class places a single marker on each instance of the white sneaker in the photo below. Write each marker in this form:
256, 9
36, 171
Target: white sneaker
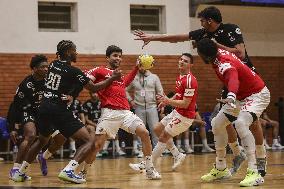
178, 160
151, 173
267, 147
138, 166
180, 149
70, 176
121, 153
188, 150
166, 151
277, 146
99, 154
207, 149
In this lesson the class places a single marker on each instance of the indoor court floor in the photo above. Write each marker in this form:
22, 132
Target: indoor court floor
115, 173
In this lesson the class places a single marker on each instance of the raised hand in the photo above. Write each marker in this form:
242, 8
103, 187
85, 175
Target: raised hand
146, 38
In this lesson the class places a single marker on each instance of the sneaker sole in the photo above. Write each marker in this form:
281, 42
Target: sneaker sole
68, 180
134, 169
256, 183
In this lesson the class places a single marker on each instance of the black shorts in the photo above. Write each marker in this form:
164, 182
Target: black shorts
193, 127
55, 116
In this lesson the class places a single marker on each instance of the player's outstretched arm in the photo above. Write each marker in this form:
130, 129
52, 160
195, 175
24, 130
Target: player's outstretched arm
146, 38
116, 75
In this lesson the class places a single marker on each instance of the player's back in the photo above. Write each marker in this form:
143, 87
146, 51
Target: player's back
249, 81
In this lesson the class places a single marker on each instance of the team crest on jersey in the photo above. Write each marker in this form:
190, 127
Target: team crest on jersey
30, 85
238, 31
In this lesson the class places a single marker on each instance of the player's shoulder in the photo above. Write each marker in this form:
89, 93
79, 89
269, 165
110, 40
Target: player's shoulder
27, 82
232, 28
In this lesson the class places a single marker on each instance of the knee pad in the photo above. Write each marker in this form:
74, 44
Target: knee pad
242, 124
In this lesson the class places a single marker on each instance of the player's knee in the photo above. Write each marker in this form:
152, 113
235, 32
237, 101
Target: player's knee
158, 129
215, 126
241, 127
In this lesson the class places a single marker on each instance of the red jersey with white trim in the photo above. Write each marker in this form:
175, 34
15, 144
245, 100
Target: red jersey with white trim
114, 96
186, 86
236, 76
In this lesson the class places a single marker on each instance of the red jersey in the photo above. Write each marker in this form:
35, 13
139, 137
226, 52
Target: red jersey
114, 96
186, 86
236, 76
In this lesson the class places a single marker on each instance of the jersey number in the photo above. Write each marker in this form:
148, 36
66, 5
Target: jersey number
53, 81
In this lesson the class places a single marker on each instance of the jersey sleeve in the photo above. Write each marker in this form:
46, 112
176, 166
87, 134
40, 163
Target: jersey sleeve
196, 34
21, 98
80, 78
235, 35
190, 85
92, 73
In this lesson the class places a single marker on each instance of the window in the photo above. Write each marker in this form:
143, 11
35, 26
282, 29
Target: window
55, 16
147, 18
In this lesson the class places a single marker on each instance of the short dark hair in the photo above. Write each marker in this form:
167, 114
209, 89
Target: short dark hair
112, 48
207, 47
63, 46
211, 12
37, 60
189, 56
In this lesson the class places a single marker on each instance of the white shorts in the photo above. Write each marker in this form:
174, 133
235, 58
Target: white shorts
175, 123
255, 103
111, 120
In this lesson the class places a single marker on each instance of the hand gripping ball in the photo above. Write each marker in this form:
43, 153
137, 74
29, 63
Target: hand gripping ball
146, 61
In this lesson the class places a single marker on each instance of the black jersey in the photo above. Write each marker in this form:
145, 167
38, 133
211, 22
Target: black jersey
29, 94
64, 79
76, 107
228, 35
93, 110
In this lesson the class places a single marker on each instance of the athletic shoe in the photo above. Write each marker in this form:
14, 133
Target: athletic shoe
14, 170
261, 166
104, 152
277, 146
253, 178
166, 151
42, 163
140, 155
188, 150
135, 152
151, 173
207, 149
121, 153
18, 177
138, 166
216, 174
178, 160
237, 162
99, 154
70, 176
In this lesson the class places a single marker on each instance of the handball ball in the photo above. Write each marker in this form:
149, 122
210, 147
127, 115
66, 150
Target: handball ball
146, 61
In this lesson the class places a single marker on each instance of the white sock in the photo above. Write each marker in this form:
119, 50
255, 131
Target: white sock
24, 167
47, 154
135, 145
186, 142
260, 151
72, 165
117, 147
158, 150
204, 142
221, 163
106, 145
235, 147
249, 144
172, 147
178, 141
149, 162
72, 145
17, 166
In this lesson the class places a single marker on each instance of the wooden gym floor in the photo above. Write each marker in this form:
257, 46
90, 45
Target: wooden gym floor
115, 173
